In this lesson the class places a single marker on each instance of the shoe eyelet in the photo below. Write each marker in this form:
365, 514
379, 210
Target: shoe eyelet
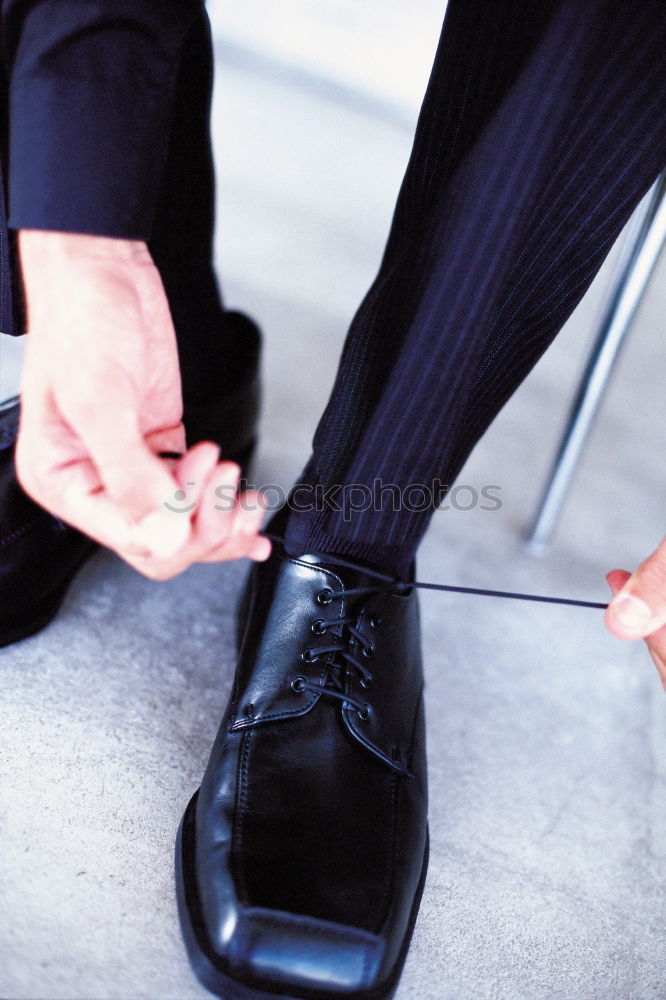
369, 651
366, 682
298, 684
309, 656
374, 621
364, 713
319, 627
325, 596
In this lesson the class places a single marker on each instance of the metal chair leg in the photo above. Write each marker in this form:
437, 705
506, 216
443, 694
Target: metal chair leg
644, 241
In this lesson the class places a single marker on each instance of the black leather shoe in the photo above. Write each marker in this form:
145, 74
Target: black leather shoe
301, 860
40, 555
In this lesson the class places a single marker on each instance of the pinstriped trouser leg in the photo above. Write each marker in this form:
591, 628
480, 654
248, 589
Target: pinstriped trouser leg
543, 126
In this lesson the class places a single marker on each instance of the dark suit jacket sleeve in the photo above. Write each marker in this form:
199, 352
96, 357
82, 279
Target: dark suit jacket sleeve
91, 93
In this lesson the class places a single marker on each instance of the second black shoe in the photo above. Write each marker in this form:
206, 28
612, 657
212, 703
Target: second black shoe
40, 555
301, 860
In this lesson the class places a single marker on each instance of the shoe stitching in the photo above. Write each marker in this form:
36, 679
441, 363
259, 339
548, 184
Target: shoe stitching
395, 808
417, 711
247, 723
245, 608
397, 793
238, 827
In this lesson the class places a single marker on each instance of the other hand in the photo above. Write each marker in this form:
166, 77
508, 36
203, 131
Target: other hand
638, 608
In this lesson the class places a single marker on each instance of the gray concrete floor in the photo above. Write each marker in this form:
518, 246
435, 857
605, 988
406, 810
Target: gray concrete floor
547, 737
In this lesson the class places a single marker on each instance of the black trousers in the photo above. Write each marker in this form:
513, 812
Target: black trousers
211, 350
543, 125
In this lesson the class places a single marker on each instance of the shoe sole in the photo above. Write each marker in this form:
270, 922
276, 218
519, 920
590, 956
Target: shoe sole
202, 960
37, 617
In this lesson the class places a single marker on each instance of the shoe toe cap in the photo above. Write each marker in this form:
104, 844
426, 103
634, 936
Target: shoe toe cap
286, 950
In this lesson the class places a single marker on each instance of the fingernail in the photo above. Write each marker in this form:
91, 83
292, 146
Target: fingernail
162, 533
632, 613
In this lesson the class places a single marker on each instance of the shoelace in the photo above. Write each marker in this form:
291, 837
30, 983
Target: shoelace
344, 661
480, 591
347, 641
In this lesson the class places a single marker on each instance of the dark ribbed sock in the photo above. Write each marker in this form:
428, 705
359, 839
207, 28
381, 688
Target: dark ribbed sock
325, 532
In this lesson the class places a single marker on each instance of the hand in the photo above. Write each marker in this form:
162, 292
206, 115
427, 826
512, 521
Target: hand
638, 608
101, 397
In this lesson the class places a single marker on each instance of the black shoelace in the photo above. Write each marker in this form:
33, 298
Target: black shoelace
479, 591
349, 647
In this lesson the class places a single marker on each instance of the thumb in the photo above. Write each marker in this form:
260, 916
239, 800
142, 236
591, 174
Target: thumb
639, 605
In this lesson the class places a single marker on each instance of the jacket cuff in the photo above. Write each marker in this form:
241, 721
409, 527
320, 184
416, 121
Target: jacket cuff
87, 150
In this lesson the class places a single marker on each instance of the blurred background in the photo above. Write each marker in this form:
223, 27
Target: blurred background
547, 737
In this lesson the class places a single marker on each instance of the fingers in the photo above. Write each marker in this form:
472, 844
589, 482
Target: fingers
196, 517
224, 526
192, 513
106, 480
655, 641
78, 495
639, 605
244, 537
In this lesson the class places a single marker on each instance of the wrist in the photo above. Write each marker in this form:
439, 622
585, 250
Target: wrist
41, 246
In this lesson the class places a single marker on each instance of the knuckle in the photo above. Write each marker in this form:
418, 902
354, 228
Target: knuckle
118, 484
